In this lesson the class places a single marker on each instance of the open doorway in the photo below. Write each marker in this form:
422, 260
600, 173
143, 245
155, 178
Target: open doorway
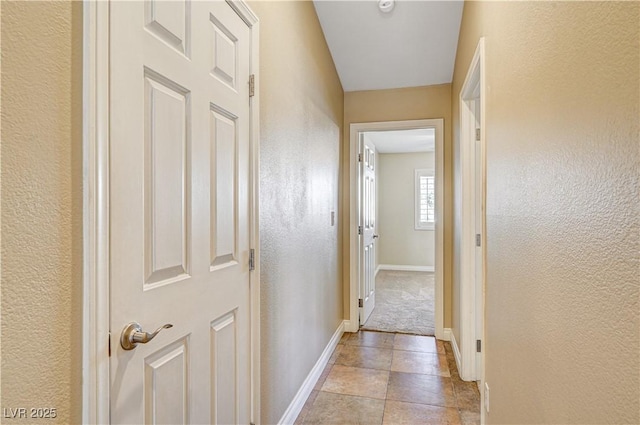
403, 208
396, 245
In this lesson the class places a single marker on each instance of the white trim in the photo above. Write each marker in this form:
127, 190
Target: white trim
296, 405
95, 327
352, 228
446, 334
377, 270
95, 303
251, 19
348, 325
473, 88
456, 350
400, 267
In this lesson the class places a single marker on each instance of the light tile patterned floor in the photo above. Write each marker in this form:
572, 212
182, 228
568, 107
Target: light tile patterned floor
386, 378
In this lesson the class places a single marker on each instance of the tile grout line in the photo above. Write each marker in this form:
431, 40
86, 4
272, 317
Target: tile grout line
386, 394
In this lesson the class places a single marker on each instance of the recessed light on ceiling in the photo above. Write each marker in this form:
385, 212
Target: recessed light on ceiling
386, 6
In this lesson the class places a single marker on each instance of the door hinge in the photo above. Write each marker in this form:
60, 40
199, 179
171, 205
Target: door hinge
477, 134
360, 302
252, 259
359, 157
359, 230
478, 239
109, 344
478, 346
252, 85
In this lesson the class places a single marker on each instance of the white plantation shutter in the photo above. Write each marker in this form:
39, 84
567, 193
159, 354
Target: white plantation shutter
425, 199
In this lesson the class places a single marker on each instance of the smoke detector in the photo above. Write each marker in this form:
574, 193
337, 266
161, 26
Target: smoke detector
386, 6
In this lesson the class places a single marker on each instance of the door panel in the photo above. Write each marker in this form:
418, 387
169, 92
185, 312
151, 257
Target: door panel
166, 375
170, 22
165, 118
179, 210
368, 222
224, 53
224, 397
224, 219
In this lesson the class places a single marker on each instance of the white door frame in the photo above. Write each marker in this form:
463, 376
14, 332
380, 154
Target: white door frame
95, 326
472, 89
355, 129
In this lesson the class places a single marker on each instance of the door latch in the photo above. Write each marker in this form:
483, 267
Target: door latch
132, 335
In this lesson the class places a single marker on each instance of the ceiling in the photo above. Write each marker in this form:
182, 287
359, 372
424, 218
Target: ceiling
413, 45
403, 141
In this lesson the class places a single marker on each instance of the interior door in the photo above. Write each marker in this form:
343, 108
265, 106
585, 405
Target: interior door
179, 211
367, 223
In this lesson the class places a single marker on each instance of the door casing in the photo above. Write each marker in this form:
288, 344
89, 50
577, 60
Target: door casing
472, 289
438, 124
96, 338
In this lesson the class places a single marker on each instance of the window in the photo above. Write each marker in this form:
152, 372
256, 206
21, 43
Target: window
425, 200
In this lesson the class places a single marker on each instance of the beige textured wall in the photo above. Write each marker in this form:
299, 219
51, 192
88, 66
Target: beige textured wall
42, 207
400, 243
397, 105
563, 210
301, 109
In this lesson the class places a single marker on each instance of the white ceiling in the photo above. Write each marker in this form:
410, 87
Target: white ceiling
403, 141
414, 45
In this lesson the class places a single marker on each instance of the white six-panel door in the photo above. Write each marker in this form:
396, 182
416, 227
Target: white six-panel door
368, 224
180, 211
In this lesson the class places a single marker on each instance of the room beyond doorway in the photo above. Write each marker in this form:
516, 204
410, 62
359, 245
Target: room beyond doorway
405, 303
407, 198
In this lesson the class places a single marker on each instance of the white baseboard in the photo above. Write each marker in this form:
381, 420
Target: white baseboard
406, 268
377, 270
446, 334
298, 401
348, 327
456, 351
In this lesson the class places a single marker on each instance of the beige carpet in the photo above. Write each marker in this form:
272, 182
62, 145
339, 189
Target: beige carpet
405, 303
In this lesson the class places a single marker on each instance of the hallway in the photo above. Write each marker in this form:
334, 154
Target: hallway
385, 378
159, 152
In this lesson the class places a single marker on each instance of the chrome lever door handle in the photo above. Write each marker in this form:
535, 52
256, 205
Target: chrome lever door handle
132, 335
